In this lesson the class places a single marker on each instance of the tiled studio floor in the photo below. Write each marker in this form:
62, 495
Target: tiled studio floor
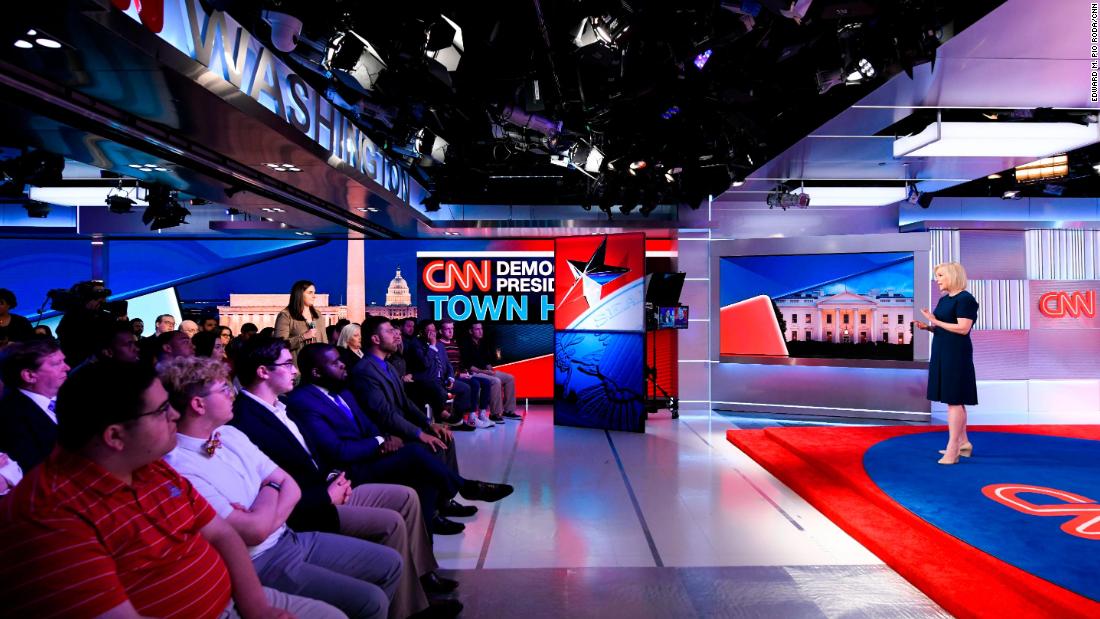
675, 522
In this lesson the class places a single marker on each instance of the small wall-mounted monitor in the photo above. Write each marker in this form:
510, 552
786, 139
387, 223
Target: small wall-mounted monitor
675, 317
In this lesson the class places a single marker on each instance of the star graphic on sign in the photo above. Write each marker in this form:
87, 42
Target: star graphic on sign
594, 274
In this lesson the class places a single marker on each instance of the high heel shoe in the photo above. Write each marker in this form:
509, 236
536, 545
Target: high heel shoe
944, 460
965, 451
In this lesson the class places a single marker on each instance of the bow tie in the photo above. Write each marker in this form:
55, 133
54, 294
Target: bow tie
212, 445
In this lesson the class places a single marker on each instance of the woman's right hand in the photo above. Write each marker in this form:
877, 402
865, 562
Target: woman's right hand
920, 325
311, 334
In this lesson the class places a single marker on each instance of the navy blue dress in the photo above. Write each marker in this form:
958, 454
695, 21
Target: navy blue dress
951, 369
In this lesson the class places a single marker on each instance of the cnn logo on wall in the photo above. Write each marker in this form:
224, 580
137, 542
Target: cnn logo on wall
1064, 304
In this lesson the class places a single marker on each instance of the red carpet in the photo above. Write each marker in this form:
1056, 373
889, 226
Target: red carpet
825, 467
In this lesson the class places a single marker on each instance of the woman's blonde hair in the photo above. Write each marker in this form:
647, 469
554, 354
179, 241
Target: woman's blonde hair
346, 334
956, 275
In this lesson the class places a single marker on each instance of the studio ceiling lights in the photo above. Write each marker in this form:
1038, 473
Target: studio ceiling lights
996, 139
853, 196
79, 196
1043, 169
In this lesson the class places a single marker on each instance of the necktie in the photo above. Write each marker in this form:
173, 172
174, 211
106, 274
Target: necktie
344, 407
52, 405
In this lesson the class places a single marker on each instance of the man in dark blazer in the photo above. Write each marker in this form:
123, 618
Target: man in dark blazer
379, 391
32, 372
382, 513
342, 436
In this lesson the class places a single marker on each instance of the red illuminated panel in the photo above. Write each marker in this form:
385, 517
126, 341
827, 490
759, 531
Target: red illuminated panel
750, 327
1064, 304
662, 354
1074, 304
534, 377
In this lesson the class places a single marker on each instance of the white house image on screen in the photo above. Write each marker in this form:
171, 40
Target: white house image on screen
847, 317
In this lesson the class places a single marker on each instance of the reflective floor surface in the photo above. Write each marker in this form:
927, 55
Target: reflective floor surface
676, 522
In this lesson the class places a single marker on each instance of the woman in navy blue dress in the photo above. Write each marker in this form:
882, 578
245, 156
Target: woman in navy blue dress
951, 377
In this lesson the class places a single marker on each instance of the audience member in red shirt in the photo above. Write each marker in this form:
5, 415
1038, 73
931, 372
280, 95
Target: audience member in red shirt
104, 528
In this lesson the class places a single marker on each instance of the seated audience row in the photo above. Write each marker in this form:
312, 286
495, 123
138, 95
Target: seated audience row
333, 494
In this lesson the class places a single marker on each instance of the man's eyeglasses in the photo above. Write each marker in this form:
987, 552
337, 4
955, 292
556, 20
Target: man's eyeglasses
275, 365
225, 389
161, 411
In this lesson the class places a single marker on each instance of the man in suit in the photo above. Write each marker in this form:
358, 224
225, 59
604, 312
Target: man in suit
385, 513
342, 436
378, 389
33, 372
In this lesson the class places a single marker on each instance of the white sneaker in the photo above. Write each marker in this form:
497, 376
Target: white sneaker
486, 422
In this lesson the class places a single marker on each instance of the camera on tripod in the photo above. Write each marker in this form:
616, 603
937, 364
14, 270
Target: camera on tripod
80, 295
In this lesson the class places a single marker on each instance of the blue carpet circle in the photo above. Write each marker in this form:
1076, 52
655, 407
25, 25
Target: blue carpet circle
951, 497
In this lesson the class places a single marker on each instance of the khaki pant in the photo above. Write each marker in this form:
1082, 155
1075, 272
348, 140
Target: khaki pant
502, 398
297, 605
389, 514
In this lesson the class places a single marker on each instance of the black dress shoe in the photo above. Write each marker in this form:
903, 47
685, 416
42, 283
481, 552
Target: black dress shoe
434, 584
462, 426
442, 526
439, 609
496, 418
513, 415
454, 509
482, 491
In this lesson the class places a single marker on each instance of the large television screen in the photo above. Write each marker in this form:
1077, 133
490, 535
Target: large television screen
832, 306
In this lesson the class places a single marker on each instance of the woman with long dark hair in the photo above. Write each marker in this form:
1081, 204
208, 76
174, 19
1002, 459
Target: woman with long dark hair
299, 323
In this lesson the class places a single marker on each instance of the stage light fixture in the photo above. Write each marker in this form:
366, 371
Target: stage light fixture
356, 57
520, 118
120, 204
1011, 194
862, 70
431, 204
37, 210
702, 58
585, 157
631, 197
285, 29
607, 202
445, 44
164, 210
584, 34
610, 30
650, 200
